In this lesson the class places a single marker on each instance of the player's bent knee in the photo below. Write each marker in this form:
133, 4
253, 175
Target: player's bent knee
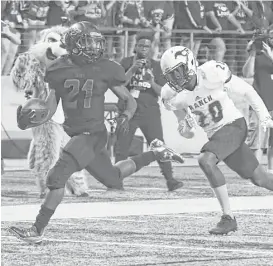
207, 160
258, 177
63, 169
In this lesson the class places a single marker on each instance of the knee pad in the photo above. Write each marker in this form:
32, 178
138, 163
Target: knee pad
63, 169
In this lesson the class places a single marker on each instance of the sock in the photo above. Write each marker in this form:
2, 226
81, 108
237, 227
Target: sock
43, 218
143, 159
222, 195
166, 170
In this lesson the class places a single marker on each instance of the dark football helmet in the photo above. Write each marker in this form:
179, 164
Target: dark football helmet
84, 41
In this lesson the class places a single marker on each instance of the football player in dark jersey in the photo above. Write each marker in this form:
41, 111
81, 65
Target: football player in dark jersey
81, 79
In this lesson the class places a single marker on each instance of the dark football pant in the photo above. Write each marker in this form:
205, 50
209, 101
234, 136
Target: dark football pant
151, 126
89, 152
228, 144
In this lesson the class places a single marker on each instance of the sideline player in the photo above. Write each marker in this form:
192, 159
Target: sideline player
202, 96
81, 80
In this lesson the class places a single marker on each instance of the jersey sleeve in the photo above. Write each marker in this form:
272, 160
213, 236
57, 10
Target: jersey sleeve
51, 79
240, 88
172, 100
118, 75
215, 74
54, 83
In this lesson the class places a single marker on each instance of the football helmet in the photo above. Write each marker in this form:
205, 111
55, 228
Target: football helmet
179, 68
84, 41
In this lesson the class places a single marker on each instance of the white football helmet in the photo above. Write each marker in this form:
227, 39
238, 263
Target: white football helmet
179, 68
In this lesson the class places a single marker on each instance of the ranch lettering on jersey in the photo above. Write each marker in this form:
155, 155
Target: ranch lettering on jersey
200, 102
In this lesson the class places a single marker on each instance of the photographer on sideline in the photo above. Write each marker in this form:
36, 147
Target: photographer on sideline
144, 81
260, 66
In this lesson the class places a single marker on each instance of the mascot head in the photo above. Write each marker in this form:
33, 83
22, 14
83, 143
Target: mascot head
49, 47
29, 69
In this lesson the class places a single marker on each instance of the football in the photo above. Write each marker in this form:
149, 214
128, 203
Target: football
38, 110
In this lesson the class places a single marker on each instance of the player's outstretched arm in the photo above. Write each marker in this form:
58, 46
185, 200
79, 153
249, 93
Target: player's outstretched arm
122, 93
243, 89
36, 112
186, 123
123, 119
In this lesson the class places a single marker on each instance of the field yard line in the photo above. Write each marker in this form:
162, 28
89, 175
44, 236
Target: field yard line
223, 240
255, 213
182, 216
142, 245
129, 208
102, 219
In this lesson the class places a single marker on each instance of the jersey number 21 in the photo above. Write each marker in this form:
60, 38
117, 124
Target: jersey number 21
76, 88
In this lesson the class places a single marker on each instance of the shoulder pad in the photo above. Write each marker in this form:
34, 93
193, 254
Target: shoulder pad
60, 63
167, 92
215, 72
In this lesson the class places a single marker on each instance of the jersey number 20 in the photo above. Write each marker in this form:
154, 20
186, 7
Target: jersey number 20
76, 88
216, 113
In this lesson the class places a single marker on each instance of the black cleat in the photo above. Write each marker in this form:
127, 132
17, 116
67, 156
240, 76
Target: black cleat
226, 225
29, 235
164, 153
173, 184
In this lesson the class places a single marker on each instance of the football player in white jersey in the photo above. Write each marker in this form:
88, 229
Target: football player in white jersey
202, 96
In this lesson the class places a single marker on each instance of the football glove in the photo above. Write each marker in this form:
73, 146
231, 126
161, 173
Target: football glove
187, 126
122, 124
267, 123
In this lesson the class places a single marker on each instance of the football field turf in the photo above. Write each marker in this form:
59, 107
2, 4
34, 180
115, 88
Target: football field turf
143, 225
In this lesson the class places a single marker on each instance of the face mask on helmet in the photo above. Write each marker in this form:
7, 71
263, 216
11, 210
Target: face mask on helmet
181, 78
86, 44
91, 46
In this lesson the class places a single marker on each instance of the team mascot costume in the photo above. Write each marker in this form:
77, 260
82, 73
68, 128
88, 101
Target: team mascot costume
48, 139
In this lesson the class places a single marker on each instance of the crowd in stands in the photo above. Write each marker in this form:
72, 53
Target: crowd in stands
212, 19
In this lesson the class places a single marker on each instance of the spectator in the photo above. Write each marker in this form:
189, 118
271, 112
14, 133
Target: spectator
10, 34
90, 10
243, 13
34, 15
129, 14
219, 15
260, 66
159, 16
262, 13
190, 15
56, 14
144, 81
109, 22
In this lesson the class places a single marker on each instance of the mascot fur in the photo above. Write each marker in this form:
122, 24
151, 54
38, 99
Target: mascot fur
48, 139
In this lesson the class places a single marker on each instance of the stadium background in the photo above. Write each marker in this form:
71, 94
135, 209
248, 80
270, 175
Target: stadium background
15, 142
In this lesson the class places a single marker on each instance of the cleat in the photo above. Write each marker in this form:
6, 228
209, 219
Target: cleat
173, 184
226, 225
29, 235
164, 153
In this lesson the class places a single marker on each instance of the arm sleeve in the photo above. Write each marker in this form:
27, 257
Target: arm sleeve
118, 75
241, 88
